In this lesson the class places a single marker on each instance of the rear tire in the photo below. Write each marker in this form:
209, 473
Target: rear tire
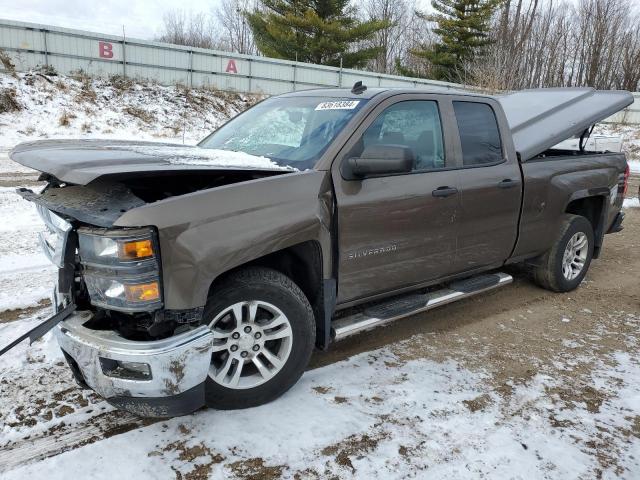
270, 344
565, 265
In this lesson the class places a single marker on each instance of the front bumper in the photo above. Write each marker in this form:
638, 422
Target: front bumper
177, 367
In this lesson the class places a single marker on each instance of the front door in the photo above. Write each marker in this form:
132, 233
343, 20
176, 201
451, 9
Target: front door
396, 231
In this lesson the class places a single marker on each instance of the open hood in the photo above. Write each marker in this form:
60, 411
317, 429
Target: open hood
83, 161
541, 118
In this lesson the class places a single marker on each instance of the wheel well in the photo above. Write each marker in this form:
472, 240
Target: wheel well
302, 263
591, 208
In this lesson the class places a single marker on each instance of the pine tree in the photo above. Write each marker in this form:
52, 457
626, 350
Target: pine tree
314, 31
463, 31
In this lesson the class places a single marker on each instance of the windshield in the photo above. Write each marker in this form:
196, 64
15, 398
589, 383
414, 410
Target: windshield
291, 131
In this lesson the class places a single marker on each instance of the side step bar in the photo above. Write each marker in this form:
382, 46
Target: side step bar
411, 304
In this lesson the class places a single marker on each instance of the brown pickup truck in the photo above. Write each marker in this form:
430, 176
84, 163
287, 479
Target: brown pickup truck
206, 275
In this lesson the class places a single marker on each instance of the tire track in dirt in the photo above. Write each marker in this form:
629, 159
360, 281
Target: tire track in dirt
62, 437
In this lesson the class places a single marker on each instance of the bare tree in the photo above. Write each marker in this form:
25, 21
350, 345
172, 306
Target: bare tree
236, 34
554, 43
191, 29
405, 33
392, 41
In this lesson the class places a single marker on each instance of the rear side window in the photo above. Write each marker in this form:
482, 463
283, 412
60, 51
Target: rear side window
479, 134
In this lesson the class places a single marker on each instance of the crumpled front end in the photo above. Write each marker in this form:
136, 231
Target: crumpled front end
159, 378
121, 341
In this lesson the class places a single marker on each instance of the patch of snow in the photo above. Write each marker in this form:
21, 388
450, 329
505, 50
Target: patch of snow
206, 157
17, 358
630, 143
26, 276
631, 203
571, 343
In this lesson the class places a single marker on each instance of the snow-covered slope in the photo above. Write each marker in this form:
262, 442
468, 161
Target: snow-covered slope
80, 107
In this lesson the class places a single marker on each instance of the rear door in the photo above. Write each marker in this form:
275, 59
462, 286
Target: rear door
394, 231
490, 185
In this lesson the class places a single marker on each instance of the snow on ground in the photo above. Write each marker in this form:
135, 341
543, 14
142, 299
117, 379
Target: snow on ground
79, 107
631, 203
630, 141
26, 275
391, 414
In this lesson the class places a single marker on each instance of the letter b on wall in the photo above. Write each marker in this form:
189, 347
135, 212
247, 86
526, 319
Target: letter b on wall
105, 49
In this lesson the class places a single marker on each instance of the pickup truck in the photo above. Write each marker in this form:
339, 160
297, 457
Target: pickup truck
206, 275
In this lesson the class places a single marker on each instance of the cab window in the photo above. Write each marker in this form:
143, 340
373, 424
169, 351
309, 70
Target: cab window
413, 124
479, 133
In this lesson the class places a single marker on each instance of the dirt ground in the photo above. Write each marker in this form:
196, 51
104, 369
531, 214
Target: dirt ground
512, 333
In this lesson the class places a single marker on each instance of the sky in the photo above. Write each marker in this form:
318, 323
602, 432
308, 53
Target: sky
141, 18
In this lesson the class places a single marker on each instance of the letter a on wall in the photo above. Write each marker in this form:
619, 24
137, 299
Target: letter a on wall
231, 67
105, 49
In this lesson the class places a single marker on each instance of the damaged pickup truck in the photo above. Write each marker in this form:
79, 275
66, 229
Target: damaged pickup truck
206, 275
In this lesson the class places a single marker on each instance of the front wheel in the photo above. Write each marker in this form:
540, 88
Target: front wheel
564, 266
264, 333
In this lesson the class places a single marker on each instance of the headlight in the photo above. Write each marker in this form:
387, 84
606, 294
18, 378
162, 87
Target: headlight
121, 268
111, 248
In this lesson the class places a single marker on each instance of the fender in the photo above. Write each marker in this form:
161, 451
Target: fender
603, 194
209, 232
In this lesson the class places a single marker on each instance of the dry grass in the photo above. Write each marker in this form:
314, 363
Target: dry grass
139, 113
48, 70
80, 75
7, 63
65, 119
60, 85
86, 93
9, 100
121, 84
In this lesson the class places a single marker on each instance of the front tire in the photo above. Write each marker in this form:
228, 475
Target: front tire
565, 265
264, 334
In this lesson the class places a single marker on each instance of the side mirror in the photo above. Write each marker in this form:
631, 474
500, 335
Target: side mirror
379, 160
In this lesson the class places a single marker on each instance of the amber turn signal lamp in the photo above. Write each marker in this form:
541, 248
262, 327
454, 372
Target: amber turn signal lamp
143, 292
135, 250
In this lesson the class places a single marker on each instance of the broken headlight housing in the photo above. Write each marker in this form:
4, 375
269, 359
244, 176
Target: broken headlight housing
121, 268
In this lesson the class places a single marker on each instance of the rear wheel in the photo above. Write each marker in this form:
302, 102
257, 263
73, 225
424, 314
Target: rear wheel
565, 265
264, 333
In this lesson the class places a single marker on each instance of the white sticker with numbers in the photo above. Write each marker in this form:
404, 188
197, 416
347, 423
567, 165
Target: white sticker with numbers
339, 105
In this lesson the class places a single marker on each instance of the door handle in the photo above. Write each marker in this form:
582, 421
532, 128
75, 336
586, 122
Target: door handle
507, 183
444, 191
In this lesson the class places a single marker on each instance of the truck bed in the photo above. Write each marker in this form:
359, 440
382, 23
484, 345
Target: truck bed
555, 179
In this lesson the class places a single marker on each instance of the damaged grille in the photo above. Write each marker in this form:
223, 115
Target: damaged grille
54, 239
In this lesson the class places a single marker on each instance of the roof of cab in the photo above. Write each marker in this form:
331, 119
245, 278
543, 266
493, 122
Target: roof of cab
371, 92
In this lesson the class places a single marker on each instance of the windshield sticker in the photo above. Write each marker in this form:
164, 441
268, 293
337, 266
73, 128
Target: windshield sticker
342, 105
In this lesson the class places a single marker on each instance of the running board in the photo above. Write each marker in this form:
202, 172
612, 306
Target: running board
411, 304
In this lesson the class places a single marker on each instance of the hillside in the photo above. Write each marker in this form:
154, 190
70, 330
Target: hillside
34, 106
